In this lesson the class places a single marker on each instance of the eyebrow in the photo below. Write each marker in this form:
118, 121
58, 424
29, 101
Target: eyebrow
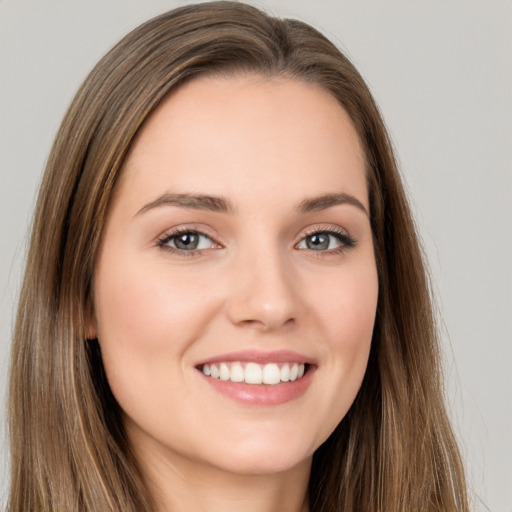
192, 201
315, 204
222, 205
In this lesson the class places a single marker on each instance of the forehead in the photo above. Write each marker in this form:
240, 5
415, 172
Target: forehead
252, 133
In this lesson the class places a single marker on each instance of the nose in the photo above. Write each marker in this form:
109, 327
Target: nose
264, 293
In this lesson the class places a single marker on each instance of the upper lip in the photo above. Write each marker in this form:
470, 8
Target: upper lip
259, 356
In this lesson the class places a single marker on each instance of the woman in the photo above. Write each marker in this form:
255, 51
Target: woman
225, 303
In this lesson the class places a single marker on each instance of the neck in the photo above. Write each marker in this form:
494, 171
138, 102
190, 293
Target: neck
185, 485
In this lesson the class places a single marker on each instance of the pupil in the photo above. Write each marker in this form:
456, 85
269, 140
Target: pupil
187, 241
318, 242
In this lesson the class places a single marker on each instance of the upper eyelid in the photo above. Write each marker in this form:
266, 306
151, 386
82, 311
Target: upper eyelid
170, 233
325, 229
346, 240
331, 229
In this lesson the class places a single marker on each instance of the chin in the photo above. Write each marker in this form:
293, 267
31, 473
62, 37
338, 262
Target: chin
262, 456
268, 464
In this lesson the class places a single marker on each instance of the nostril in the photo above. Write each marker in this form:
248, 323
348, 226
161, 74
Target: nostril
267, 323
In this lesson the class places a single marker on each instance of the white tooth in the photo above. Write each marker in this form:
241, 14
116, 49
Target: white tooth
301, 371
237, 373
223, 371
214, 371
206, 369
253, 374
271, 374
294, 370
285, 373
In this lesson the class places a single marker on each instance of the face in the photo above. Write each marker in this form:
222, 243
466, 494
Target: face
236, 286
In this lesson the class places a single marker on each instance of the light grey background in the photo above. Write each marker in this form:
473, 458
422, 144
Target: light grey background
441, 71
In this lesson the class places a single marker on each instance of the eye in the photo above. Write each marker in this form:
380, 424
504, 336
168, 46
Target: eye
187, 241
326, 241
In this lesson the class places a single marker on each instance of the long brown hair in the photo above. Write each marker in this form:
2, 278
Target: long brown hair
394, 450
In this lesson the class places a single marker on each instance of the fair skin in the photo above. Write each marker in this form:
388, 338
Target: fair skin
273, 265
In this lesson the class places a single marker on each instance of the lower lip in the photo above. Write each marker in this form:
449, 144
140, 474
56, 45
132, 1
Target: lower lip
262, 394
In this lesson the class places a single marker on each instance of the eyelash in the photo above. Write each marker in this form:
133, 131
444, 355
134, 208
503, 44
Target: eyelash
165, 239
346, 241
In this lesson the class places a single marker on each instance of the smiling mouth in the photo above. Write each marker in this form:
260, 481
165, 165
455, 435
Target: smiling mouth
270, 374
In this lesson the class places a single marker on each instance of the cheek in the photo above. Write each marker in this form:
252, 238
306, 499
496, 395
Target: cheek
346, 314
147, 304
146, 320
348, 306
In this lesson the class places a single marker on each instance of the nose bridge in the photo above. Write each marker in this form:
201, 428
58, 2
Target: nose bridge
264, 292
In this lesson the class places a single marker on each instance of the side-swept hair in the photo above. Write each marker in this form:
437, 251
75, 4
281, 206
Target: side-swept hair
394, 451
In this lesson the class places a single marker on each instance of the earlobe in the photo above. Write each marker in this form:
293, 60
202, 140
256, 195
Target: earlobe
91, 333
91, 330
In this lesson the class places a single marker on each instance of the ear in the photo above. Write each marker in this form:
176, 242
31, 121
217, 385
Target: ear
91, 329
91, 336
